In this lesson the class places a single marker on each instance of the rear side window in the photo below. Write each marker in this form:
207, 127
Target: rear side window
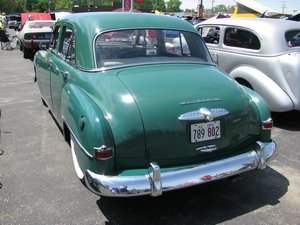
293, 38
240, 38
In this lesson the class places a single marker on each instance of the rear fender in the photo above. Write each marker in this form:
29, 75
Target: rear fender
85, 121
259, 105
276, 98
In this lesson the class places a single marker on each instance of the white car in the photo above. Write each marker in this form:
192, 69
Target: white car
262, 54
32, 34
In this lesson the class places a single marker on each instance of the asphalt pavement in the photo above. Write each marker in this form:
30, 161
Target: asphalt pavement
39, 184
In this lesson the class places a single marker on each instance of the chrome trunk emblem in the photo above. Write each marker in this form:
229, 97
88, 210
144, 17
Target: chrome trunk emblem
208, 115
203, 113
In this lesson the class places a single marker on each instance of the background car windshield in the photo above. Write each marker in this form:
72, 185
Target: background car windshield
34, 25
125, 47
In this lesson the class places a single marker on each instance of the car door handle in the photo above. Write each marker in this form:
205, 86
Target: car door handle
215, 58
50, 62
65, 74
52, 65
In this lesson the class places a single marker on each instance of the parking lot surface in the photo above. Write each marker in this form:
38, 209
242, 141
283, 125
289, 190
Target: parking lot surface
39, 184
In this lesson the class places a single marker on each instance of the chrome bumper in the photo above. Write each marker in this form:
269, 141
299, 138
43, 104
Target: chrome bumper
154, 182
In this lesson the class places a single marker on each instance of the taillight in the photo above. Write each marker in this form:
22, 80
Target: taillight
207, 177
27, 36
268, 124
103, 152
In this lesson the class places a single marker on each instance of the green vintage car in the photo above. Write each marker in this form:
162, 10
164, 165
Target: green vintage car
144, 108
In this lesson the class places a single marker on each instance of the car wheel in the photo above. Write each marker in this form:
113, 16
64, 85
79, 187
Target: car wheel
78, 170
245, 83
27, 53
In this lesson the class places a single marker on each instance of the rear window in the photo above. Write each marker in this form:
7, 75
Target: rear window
35, 25
293, 38
240, 38
141, 46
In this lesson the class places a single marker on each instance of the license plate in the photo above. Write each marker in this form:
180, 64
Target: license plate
205, 131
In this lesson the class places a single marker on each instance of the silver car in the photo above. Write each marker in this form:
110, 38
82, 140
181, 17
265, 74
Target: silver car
262, 54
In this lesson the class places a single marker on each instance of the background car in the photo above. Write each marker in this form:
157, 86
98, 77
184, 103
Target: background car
32, 34
13, 20
262, 54
142, 119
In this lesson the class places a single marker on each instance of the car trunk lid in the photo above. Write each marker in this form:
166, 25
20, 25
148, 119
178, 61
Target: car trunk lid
169, 99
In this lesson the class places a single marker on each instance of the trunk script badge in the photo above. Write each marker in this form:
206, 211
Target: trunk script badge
208, 148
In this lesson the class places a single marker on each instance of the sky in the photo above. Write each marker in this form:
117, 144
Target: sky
289, 5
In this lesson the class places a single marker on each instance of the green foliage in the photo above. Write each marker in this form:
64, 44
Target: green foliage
220, 9
174, 6
6, 6
11, 6
150, 5
41, 6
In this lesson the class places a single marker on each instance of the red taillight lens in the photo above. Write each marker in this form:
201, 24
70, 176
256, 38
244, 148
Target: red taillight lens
207, 177
103, 152
268, 124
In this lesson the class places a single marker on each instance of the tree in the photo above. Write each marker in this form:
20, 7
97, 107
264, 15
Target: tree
41, 6
220, 8
174, 6
150, 5
6, 6
63, 4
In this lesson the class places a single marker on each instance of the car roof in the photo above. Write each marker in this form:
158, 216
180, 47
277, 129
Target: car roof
88, 25
102, 21
253, 22
257, 24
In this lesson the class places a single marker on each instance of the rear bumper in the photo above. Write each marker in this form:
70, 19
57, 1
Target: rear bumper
155, 182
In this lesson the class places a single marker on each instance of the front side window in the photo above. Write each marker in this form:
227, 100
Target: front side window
241, 38
67, 44
125, 47
210, 34
293, 38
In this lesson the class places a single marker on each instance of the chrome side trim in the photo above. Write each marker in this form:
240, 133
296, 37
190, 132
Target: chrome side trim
155, 182
203, 113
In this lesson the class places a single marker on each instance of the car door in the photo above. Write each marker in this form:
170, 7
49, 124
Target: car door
62, 66
211, 35
45, 69
240, 46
